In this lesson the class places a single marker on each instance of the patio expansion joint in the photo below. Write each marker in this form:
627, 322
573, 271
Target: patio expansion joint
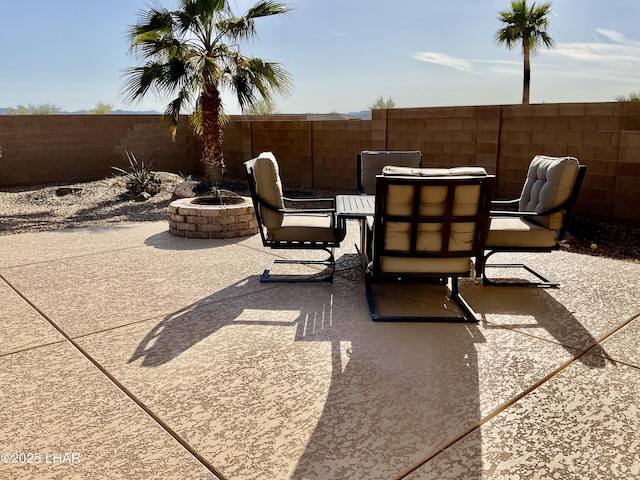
500, 409
118, 385
535, 386
70, 257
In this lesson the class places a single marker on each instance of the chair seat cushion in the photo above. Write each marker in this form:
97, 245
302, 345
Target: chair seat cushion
518, 232
306, 228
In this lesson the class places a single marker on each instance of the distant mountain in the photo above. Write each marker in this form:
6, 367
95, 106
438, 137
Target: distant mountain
3, 111
130, 112
364, 114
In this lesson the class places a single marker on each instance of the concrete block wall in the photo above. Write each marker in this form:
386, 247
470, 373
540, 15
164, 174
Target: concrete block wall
322, 153
335, 146
590, 132
41, 149
627, 176
447, 137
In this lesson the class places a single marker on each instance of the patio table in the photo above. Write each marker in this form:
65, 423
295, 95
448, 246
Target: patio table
361, 208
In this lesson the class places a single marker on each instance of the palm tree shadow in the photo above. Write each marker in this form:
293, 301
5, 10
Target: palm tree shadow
392, 387
398, 393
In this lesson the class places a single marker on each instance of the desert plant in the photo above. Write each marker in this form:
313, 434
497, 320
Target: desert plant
139, 178
381, 104
632, 97
193, 53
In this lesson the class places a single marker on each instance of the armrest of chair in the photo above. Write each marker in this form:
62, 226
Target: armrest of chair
505, 203
302, 200
515, 213
331, 208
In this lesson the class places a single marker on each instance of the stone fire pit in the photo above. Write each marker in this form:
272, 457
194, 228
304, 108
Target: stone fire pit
221, 215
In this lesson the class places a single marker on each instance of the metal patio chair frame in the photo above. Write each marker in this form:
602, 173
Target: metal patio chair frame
566, 207
327, 246
480, 218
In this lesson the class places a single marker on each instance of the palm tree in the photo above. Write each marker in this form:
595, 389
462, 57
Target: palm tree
193, 53
526, 25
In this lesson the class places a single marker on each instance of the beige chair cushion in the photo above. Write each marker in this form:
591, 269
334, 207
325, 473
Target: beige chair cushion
306, 228
517, 232
444, 266
548, 184
269, 188
433, 201
397, 236
373, 162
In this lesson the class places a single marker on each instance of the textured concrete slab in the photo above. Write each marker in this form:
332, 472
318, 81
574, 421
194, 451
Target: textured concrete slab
35, 247
594, 295
624, 344
69, 421
583, 423
88, 293
297, 382
282, 381
22, 326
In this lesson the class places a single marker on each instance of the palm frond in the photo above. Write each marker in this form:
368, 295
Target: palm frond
254, 80
267, 8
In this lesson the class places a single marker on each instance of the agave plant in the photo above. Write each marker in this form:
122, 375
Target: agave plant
139, 178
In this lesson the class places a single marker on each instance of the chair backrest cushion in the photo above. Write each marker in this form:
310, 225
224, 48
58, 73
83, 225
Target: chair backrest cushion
372, 163
441, 230
269, 188
549, 183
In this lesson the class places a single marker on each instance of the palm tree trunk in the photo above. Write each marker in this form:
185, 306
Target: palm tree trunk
527, 73
212, 134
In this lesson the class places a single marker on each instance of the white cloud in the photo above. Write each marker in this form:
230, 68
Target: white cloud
612, 35
614, 56
445, 60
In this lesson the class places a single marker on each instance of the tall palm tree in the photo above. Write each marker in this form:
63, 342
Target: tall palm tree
526, 25
193, 53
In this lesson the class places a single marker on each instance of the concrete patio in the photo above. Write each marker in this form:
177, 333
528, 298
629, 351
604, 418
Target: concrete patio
130, 353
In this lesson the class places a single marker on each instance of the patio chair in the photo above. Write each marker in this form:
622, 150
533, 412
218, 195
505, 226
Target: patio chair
291, 228
371, 163
430, 223
540, 220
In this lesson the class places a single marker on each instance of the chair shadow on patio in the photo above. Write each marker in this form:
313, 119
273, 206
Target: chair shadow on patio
350, 393
535, 311
324, 392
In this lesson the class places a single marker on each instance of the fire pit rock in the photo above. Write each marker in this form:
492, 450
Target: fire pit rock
219, 215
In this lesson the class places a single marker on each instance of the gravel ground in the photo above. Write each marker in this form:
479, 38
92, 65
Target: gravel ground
106, 202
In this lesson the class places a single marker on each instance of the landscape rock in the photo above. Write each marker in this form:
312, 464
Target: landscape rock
142, 197
62, 191
183, 190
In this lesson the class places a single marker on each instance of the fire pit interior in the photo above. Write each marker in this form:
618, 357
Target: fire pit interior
219, 197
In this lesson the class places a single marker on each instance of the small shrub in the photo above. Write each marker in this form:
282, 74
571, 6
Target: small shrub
140, 178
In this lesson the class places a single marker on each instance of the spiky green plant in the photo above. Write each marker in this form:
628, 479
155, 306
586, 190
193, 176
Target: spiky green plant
139, 177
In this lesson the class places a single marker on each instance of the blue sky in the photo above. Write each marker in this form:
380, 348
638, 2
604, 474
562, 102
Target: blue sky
342, 54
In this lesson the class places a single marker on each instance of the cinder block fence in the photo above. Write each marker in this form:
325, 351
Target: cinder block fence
321, 153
